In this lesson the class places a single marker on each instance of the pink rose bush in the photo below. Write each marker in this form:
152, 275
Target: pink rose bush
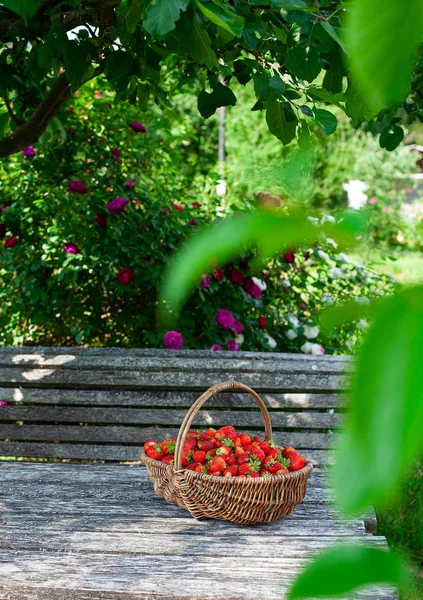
117, 205
173, 340
78, 187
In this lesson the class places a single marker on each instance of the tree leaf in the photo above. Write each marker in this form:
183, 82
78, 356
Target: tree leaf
162, 16
23, 8
384, 429
303, 62
289, 4
391, 137
75, 62
334, 33
130, 11
325, 120
343, 569
220, 96
197, 44
270, 232
277, 85
359, 105
382, 38
277, 122
217, 13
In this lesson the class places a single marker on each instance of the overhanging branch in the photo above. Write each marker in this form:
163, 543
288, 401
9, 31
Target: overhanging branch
30, 131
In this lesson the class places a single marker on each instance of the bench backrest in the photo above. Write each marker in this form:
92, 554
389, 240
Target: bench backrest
104, 403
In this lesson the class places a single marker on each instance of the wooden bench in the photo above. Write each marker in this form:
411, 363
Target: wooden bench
97, 531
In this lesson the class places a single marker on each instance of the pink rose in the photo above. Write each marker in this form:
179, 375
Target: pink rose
178, 206
130, 184
262, 322
137, 127
205, 282
232, 345
224, 318
125, 276
196, 204
216, 347
71, 248
173, 340
238, 327
192, 222
117, 205
116, 153
372, 201
236, 277
29, 152
252, 288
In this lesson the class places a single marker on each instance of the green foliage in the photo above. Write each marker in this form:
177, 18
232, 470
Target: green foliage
162, 16
346, 568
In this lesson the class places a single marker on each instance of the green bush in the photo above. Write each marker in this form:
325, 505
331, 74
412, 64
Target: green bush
77, 269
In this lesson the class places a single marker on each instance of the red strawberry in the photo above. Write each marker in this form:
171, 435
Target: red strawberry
282, 472
169, 459
257, 439
223, 451
190, 444
273, 452
259, 453
287, 451
199, 456
210, 432
231, 471
226, 430
218, 464
240, 476
239, 451
193, 466
216, 473
248, 448
206, 446
150, 443
211, 454
186, 458
269, 460
227, 442
203, 437
265, 447
155, 452
297, 462
231, 460
217, 443
243, 458
237, 442
245, 439
168, 447
245, 468
253, 474
275, 467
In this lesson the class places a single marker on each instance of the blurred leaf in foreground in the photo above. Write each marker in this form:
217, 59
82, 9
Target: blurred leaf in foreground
385, 424
343, 569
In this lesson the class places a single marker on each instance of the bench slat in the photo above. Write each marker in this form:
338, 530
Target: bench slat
165, 398
205, 418
115, 453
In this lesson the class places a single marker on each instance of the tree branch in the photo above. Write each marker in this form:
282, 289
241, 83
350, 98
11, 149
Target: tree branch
29, 132
10, 111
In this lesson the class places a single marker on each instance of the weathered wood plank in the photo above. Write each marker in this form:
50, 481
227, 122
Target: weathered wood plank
164, 379
166, 416
177, 398
172, 575
134, 435
118, 452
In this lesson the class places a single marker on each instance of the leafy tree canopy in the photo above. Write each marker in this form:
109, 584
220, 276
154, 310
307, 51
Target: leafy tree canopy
293, 50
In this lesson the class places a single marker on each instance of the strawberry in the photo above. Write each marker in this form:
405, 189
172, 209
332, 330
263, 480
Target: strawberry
155, 452
228, 442
193, 466
168, 447
287, 451
243, 458
259, 453
223, 451
218, 464
211, 454
263, 471
205, 445
269, 460
265, 447
256, 439
203, 437
282, 472
169, 459
226, 430
297, 462
210, 432
186, 458
254, 474
245, 439
217, 443
245, 468
273, 452
190, 444
240, 476
216, 474
199, 468
192, 433
231, 460
255, 464
237, 442
239, 451
147, 445
199, 456
231, 471
248, 448
275, 467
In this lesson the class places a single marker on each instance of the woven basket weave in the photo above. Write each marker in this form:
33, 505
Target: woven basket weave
245, 500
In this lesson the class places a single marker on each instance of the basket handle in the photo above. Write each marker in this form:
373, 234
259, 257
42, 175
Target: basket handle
189, 417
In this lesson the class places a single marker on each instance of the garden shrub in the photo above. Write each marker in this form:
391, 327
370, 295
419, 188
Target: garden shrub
90, 219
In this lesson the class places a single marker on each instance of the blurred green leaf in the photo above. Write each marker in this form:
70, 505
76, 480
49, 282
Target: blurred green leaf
384, 430
391, 137
334, 316
343, 569
270, 232
162, 16
219, 14
277, 121
325, 120
359, 104
220, 96
382, 38
24, 8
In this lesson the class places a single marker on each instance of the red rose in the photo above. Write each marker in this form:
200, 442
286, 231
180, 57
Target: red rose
303, 305
289, 257
125, 276
262, 322
252, 288
219, 274
11, 241
236, 277
101, 220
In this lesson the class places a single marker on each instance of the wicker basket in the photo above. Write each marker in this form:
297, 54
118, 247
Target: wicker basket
247, 501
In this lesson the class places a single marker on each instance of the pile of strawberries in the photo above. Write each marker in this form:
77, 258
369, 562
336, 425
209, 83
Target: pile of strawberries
226, 453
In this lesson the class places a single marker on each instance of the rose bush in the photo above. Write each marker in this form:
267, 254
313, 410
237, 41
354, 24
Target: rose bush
90, 218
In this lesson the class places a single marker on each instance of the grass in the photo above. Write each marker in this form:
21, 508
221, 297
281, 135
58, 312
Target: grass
402, 524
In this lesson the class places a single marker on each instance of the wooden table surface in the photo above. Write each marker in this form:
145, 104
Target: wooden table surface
98, 532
